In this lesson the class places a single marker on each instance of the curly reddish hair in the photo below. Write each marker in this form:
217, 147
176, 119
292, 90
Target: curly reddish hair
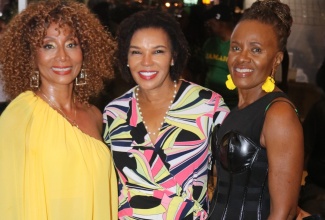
25, 34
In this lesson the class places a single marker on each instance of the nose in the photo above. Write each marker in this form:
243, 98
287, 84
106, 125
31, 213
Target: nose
61, 54
244, 56
147, 59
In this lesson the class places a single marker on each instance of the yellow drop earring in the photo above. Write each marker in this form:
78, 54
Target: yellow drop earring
229, 83
269, 84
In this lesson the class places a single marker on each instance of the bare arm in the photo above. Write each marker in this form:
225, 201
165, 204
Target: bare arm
90, 121
282, 136
98, 118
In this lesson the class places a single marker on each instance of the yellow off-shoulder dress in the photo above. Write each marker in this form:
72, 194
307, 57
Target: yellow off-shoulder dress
50, 169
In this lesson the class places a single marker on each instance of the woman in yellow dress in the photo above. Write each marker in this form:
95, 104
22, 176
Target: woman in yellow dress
53, 163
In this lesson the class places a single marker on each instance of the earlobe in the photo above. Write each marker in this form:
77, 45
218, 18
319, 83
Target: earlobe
278, 58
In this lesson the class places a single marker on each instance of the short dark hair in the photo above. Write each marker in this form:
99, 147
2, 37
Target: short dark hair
152, 19
274, 13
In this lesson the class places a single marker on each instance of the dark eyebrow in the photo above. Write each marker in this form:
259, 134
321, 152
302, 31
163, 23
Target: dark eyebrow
70, 36
234, 41
160, 46
134, 47
156, 47
256, 44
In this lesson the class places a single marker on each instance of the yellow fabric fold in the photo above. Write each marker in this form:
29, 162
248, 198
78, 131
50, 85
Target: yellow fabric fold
50, 169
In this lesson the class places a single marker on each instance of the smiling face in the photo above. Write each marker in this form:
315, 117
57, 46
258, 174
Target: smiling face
59, 60
150, 57
253, 53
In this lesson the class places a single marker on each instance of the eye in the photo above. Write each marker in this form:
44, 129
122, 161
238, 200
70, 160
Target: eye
256, 50
159, 51
135, 52
48, 46
71, 43
235, 48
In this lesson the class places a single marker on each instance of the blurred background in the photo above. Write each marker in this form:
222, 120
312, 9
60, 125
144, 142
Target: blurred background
306, 44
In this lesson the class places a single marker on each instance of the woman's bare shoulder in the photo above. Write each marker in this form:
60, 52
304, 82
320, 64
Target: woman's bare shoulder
90, 119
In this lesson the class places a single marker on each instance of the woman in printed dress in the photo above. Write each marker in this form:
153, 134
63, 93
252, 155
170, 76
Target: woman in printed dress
159, 131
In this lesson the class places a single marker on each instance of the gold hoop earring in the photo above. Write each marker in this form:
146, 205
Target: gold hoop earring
81, 79
269, 84
229, 83
34, 79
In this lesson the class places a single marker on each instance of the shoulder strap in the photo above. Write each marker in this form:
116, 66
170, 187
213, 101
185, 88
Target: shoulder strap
280, 100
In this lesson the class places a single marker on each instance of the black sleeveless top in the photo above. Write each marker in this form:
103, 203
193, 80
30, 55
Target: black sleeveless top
242, 167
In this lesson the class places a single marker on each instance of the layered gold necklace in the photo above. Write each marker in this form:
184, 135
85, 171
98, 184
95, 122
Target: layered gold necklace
54, 106
170, 105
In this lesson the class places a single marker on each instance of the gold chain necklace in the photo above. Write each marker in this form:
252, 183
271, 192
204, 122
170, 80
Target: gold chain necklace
54, 106
139, 108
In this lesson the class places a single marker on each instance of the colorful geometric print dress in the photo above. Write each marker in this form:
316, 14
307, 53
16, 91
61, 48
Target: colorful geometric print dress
50, 169
168, 179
